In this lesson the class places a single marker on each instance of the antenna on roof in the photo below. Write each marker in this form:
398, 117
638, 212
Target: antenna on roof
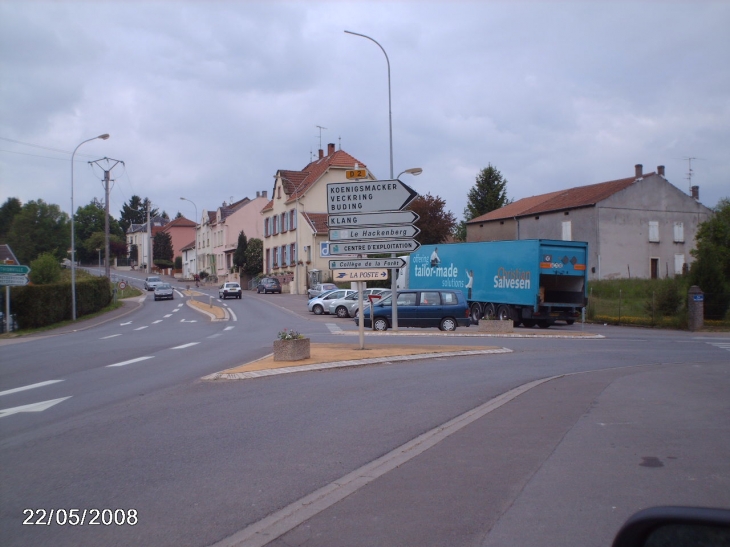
339, 140
320, 135
689, 173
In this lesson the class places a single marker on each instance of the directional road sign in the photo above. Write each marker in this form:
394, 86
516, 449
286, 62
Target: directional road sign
14, 269
364, 263
371, 219
359, 275
14, 280
368, 196
379, 232
375, 246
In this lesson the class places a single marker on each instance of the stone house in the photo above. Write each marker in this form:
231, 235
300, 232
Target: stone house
641, 226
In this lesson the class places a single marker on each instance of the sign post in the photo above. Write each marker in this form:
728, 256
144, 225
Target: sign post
12, 275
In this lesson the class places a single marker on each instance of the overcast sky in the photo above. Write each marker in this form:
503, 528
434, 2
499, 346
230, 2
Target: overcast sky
206, 100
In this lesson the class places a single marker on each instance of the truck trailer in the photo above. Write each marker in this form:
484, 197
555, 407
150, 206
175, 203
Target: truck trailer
532, 281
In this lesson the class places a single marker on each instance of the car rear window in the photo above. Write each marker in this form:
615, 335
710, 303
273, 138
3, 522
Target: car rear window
449, 298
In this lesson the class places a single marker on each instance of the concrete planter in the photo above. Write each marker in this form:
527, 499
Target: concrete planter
495, 325
291, 350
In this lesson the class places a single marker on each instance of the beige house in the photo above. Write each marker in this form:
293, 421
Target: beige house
641, 226
217, 235
295, 220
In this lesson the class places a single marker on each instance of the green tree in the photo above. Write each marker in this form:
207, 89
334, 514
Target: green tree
711, 269
239, 257
135, 212
39, 228
435, 223
162, 251
254, 257
488, 193
9, 209
117, 246
89, 220
45, 270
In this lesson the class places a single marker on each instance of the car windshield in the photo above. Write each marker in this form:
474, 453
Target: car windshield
151, 279
163, 286
325, 294
232, 285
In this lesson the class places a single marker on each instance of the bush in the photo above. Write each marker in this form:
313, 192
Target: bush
45, 270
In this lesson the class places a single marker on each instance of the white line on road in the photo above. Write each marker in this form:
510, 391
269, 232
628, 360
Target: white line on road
186, 345
211, 336
141, 328
175, 310
110, 336
31, 386
188, 320
232, 315
229, 328
158, 321
168, 315
123, 324
34, 407
179, 305
137, 360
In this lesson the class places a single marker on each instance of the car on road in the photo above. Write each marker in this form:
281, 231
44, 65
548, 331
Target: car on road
348, 306
321, 304
268, 284
151, 282
445, 309
319, 289
229, 289
164, 291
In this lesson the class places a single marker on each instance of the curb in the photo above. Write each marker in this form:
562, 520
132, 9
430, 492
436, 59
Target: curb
473, 335
211, 316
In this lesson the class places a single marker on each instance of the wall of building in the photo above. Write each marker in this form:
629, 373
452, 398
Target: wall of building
496, 230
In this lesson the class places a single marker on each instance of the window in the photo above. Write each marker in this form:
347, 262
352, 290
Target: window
285, 252
567, 231
678, 232
284, 222
276, 257
292, 219
292, 253
275, 222
654, 231
268, 260
678, 264
430, 298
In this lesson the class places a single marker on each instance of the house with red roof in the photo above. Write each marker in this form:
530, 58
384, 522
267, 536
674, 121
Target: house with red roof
295, 220
640, 226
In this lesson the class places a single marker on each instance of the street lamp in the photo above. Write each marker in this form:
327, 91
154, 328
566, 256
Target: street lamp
415, 171
103, 137
196, 233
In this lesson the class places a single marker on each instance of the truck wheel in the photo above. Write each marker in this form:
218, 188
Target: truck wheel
342, 312
504, 313
490, 311
529, 323
381, 324
448, 324
570, 321
476, 313
543, 324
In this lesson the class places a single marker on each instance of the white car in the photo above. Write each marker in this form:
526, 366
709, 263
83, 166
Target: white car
347, 307
229, 289
151, 282
321, 304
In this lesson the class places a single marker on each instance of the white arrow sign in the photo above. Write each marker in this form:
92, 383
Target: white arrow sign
375, 232
368, 196
362, 263
371, 219
35, 407
375, 247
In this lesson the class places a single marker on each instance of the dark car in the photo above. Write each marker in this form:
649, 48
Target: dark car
163, 291
445, 309
268, 284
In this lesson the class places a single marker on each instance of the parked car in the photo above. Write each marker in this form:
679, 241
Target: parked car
321, 304
445, 309
163, 291
319, 289
229, 289
348, 306
151, 282
268, 284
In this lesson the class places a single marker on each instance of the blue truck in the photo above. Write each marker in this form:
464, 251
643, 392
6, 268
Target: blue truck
532, 281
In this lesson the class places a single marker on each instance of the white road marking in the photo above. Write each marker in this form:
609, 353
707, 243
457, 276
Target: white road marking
31, 386
186, 345
168, 315
34, 407
211, 336
141, 328
111, 336
137, 360
158, 321
232, 315
333, 327
181, 295
179, 305
721, 345
188, 320
229, 328
176, 310
123, 324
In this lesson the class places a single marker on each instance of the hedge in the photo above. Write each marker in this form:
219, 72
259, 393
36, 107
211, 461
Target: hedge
41, 305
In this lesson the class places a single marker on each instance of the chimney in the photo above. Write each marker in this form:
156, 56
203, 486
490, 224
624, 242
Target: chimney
264, 193
639, 170
330, 149
258, 194
696, 193
321, 153
660, 170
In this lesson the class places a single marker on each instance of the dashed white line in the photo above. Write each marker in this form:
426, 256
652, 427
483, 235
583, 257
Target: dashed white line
215, 335
175, 310
137, 360
31, 386
124, 324
110, 336
186, 345
179, 305
188, 320
158, 321
141, 328
168, 315
229, 328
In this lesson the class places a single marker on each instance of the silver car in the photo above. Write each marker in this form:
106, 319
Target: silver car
151, 282
163, 291
321, 304
348, 306
320, 288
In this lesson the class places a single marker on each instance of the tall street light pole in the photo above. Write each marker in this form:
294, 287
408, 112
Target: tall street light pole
103, 137
393, 285
196, 233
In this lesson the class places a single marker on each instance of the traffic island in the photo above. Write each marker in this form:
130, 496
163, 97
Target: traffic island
216, 313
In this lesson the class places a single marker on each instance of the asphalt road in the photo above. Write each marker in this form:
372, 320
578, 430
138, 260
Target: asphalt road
636, 419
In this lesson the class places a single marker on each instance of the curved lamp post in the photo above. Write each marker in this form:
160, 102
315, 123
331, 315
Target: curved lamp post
196, 233
103, 137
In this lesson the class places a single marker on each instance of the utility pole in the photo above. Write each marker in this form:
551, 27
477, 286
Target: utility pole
107, 179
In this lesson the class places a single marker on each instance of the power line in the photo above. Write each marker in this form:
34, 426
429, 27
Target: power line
42, 147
